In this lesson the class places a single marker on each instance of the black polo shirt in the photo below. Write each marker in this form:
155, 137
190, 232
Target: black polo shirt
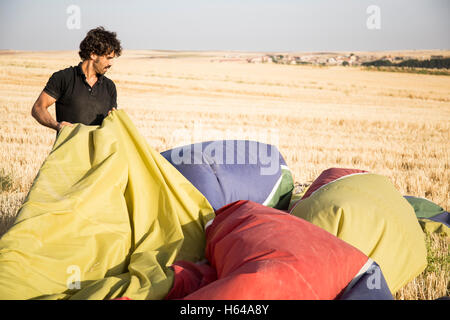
76, 100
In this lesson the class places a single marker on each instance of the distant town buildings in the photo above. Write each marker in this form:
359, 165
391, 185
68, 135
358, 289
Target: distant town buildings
324, 59
308, 59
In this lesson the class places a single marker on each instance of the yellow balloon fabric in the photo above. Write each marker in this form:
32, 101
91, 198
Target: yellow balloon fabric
366, 211
430, 226
105, 217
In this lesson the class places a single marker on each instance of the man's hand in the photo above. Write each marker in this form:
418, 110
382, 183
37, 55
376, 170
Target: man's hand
62, 124
113, 109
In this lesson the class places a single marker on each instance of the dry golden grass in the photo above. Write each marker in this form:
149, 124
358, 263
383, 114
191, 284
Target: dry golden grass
433, 283
395, 124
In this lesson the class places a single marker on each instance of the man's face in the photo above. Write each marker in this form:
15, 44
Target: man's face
103, 63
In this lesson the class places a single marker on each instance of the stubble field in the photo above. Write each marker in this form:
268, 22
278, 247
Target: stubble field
394, 124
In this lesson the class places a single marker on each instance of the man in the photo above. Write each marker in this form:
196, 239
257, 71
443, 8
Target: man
82, 93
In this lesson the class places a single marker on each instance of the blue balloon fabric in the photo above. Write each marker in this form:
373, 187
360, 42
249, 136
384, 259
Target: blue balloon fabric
369, 284
225, 171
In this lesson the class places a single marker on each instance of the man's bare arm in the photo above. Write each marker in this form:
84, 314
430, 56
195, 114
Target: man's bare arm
41, 114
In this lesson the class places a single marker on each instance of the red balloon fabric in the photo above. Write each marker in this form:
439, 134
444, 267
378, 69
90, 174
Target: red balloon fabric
328, 176
190, 277
263, 253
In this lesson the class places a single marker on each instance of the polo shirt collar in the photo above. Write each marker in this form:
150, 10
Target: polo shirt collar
81, 73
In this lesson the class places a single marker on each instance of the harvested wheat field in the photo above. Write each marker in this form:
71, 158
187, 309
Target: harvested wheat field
394, 124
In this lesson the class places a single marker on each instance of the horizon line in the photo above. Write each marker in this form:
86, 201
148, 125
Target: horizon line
233, 50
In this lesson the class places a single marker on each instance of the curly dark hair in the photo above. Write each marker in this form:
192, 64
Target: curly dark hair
100, 42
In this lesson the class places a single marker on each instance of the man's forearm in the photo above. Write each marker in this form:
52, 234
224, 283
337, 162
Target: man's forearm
44, 117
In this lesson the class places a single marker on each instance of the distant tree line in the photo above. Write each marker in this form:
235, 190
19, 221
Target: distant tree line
443, 63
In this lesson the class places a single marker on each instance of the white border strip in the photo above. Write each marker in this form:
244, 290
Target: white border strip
341, 178
349, 175
283, 167
209, 223
358, 276
275, 188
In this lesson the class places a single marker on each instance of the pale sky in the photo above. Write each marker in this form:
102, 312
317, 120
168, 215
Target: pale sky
244, 25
